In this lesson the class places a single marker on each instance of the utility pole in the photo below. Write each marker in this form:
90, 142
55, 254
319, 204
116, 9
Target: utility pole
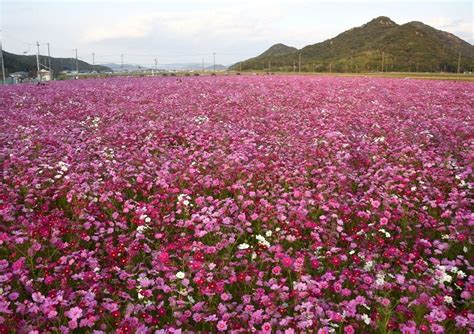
38, 62
1, 58
49, 64
294, 66
299, 63
121, 66
383, 58
156, 67
330, 67
77, 64
269, 67
459, 62
214, 61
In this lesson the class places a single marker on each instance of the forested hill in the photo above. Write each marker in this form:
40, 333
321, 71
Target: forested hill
412, 46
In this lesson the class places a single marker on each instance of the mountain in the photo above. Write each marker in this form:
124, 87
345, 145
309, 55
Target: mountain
126, 67
174, 67
192, 67
413, 46
17, 63
218, 68
278, 50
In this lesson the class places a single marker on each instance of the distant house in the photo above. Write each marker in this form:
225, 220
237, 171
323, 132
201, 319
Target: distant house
19, 77
45, 75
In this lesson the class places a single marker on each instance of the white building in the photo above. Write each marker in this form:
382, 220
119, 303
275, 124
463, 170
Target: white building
45, 75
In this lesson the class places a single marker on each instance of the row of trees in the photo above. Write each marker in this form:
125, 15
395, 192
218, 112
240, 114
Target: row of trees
377, 61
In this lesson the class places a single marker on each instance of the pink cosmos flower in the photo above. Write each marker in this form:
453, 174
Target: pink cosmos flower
375, 203
349, 330
72, 324
266, 328
52, 314
221, 326
13, 296
74, 313
164, 257
287, 261
385, 302
37, 297
276, 270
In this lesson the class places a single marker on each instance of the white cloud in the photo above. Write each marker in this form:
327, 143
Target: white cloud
131, 27
455, 26
245, 21
223, 23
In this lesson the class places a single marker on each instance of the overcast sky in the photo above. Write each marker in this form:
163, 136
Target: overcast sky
178, 31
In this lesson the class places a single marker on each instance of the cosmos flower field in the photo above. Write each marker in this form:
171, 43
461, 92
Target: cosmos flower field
269, 204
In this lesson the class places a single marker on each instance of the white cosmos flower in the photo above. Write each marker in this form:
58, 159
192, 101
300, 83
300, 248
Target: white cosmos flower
368, 265
142, 228
448, 299
183, 198
201, 119
366, 319
380, 279
243, 246
387, 234
445, 278
261, 240
180, 275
